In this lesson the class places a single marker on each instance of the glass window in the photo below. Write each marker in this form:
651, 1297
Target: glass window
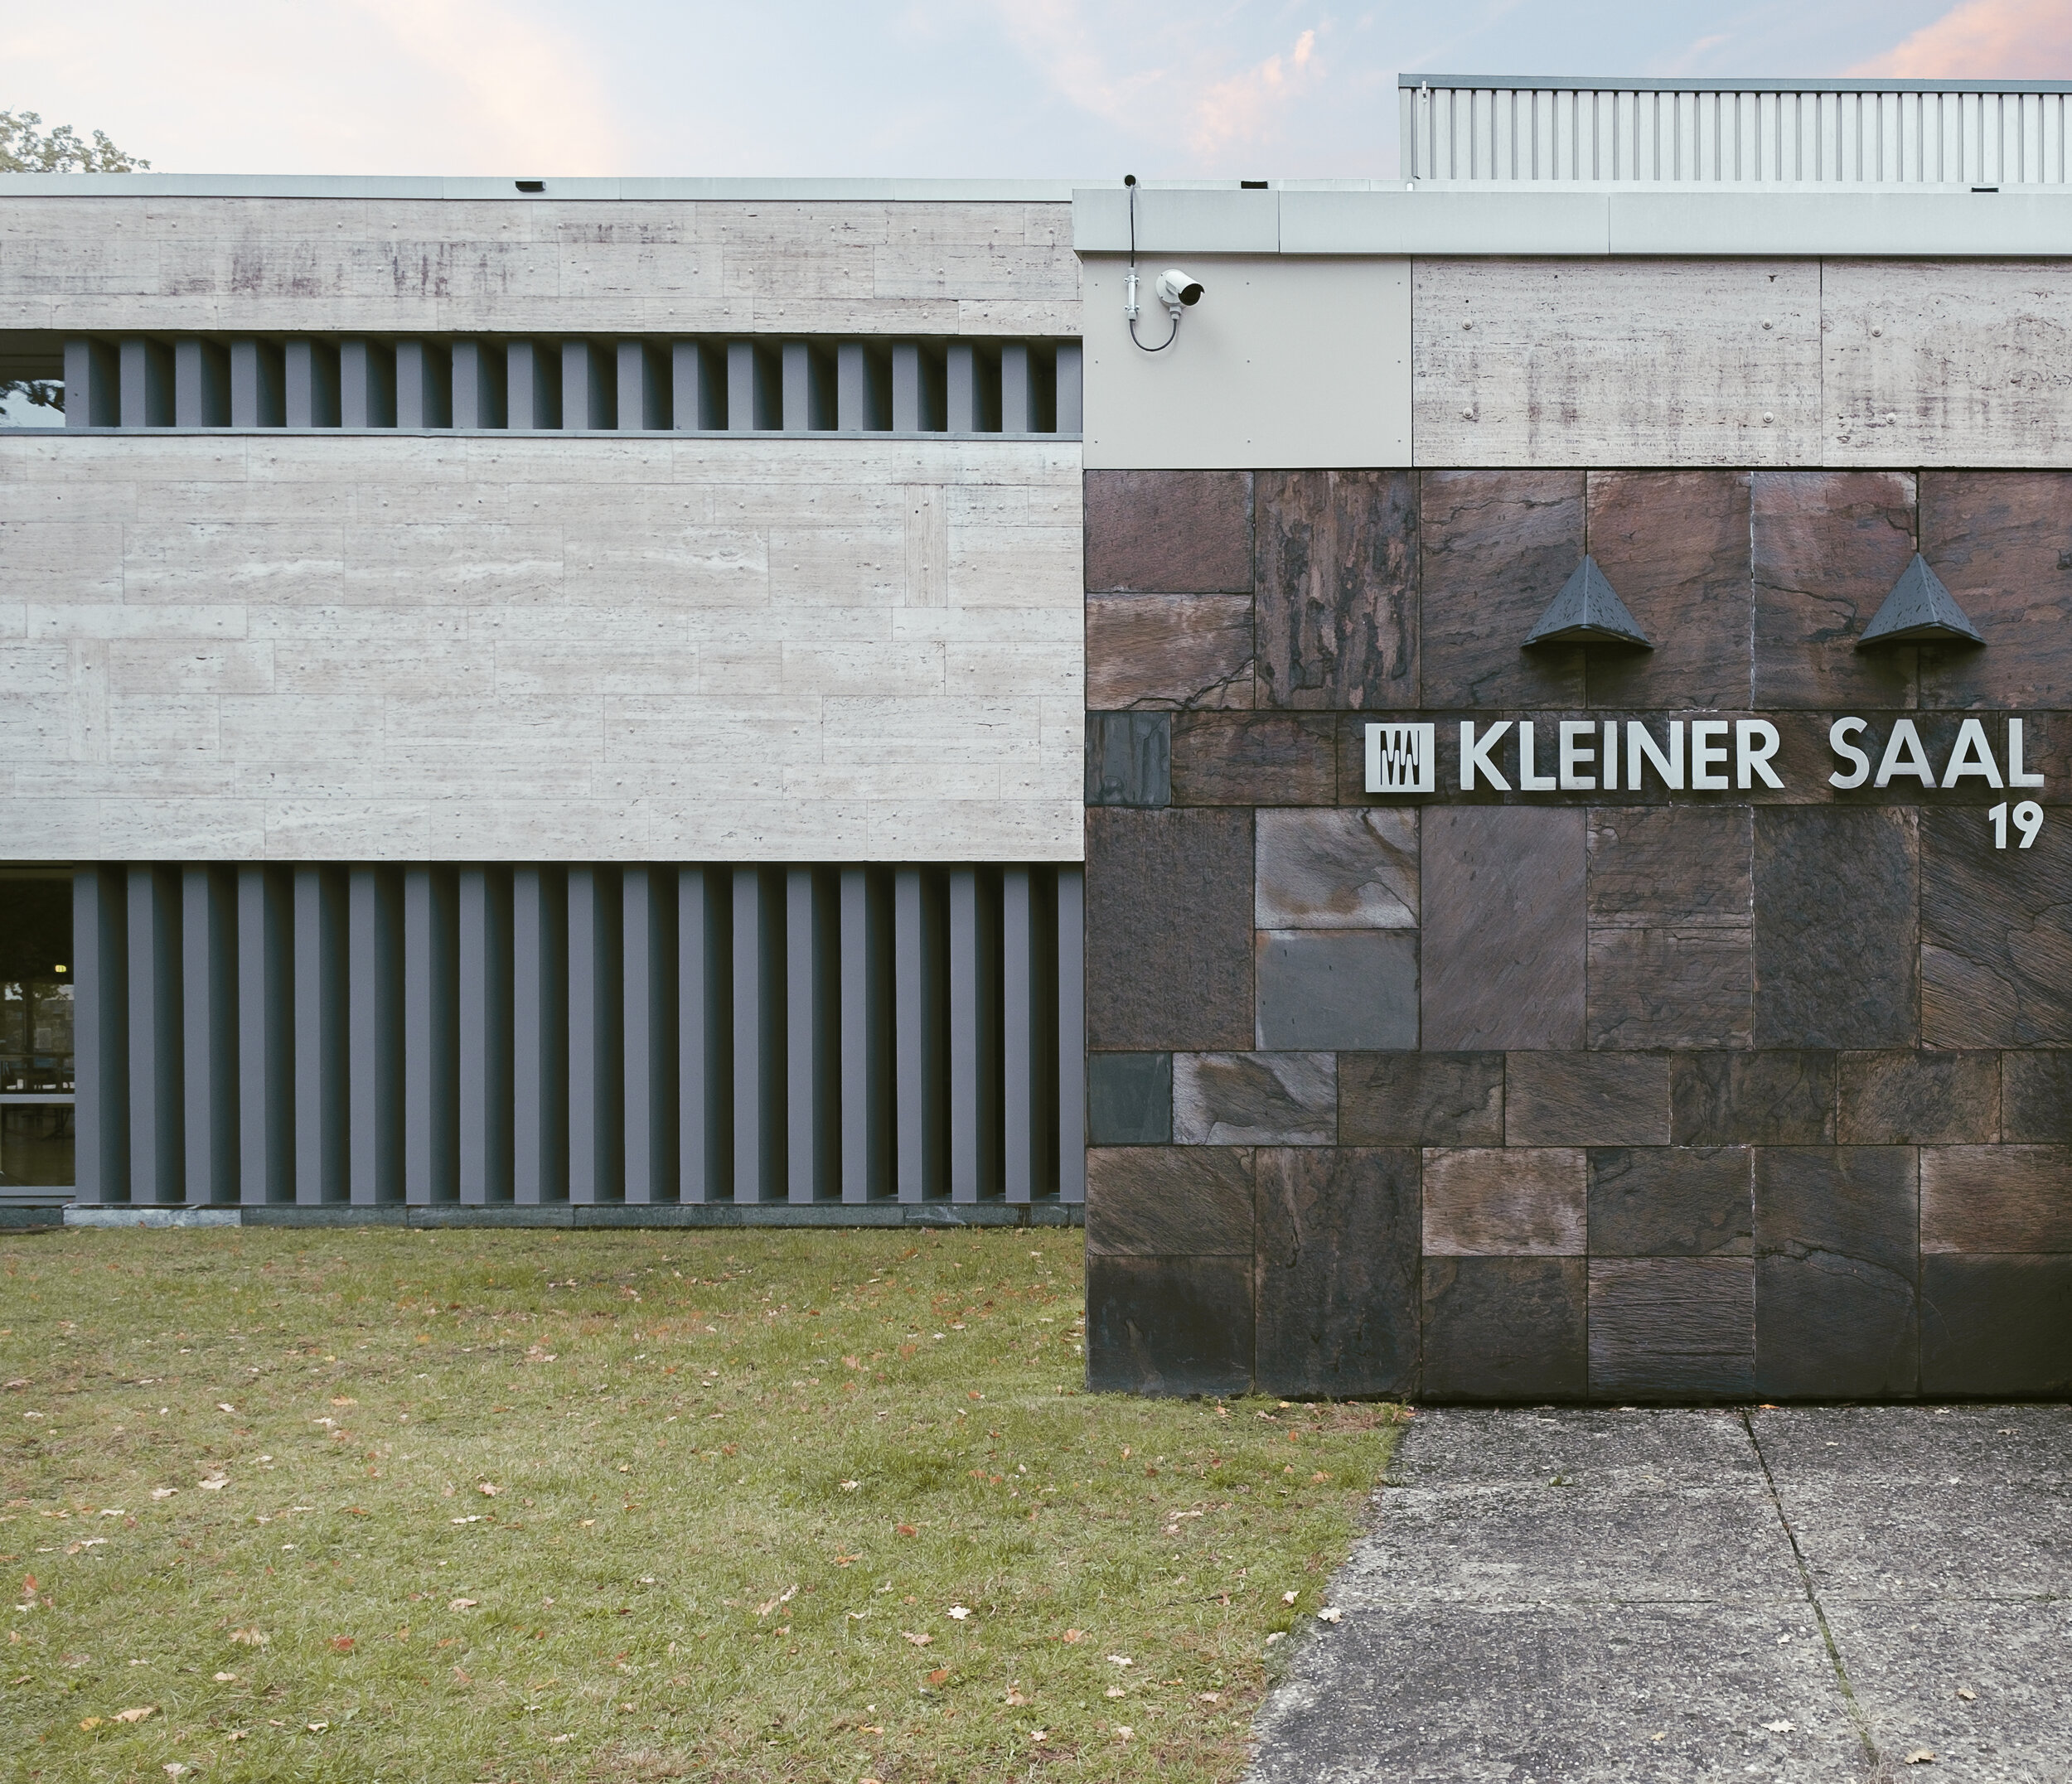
37, 1126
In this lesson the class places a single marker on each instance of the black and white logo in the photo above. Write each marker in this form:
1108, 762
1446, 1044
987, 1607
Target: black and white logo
1401, 759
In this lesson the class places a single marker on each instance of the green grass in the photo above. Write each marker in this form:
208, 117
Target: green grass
737, 1477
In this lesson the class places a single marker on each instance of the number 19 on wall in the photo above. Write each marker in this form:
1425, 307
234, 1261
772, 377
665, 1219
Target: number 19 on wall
2028, 819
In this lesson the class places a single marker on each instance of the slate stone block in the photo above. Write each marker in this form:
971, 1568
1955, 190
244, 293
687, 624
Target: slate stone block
1996, 1326
2036, 1091
1337, 589
1554, 1099
1420, 1099
1996, 1198
1173, 1324
1670, 867
1833, 1327
1167, 1201
1828, 545
1674, 987
1505, 1329
1916, 1098
1860, 1201
1129, 1099
1336, 989
1674, 544
1169, 532
1670, 1201
1168, 651
1169, 928
1255, 1099
1336, 869
1129, 760
1671, 1328
1337, 1271
1497, 546
1837, 1260
1254, 759
1837, 934
1504, 946
1506, 1202
1996, 952
1777, 1098
1996, 539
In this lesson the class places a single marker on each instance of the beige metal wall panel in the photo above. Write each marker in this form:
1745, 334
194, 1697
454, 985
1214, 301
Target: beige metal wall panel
1959, 364
1588, 362
1286, 362
239, 648
131, 261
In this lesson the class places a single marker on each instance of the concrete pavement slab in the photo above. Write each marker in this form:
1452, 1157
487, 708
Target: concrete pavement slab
1911, 1666
1560, 1695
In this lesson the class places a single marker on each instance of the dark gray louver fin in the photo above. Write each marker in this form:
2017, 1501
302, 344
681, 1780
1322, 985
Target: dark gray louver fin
1588, 610
1919, 610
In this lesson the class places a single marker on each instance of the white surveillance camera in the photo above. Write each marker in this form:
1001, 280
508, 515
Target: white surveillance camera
1176, 290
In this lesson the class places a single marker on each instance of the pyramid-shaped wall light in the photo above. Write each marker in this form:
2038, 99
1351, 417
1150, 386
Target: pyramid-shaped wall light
1920, 610
1588, 610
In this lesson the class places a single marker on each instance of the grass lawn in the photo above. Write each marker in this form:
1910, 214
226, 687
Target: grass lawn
727, 1505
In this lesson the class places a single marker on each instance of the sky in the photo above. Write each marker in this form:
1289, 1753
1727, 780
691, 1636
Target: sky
1042, 88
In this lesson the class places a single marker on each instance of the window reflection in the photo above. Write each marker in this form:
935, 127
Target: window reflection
37, 1136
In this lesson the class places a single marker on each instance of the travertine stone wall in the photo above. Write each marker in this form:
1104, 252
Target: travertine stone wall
520, 266
1571, 1094
247, 647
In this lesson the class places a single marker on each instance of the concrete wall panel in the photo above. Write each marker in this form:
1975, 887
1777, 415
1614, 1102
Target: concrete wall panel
477, 649
1286, 362
1582, 362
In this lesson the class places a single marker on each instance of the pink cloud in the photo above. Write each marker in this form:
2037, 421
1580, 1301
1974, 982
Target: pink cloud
1984, 40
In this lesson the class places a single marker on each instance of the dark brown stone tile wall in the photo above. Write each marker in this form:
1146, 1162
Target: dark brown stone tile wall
1626, 1094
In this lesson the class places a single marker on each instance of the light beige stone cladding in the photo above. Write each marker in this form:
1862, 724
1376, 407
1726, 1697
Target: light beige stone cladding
244, 647
506, 266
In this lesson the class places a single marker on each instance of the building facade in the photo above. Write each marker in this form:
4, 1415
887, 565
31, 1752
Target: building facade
594, 702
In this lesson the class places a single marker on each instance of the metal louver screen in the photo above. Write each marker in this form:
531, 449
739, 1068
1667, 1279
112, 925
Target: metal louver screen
337, 1034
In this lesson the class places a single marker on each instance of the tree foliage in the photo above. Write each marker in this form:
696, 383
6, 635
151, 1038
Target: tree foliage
26, 147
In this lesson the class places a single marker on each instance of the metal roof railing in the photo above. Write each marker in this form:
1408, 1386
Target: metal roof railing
1533, 129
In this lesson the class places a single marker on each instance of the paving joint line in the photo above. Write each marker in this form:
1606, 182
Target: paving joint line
1861, 1722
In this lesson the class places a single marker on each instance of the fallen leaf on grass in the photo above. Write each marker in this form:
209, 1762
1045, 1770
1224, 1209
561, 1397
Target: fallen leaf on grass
90, 1722
1113, 1691
906, 1529
1121, 1659
919, 1641
959, 1611
1211, 1697
1075, 1635
1014, 1700
1287, 1597
487, 1491
315, 1727
851, 1486
1125, 1733
251, 1638
215, 1484
1329, 1614
782, 1597
163, 1492
462, 1604
343, 1644
226, 1677
174, 1769
137, 1715
224, 1406
940, 1675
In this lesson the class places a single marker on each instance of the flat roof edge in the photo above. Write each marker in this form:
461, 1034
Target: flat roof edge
661, 188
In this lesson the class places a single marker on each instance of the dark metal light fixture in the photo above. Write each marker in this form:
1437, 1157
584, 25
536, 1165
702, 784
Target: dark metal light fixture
1920, 610
1588, 610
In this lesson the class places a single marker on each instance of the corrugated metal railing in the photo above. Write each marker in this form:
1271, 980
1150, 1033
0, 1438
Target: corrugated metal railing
970, 387
1830, 133
325, 1034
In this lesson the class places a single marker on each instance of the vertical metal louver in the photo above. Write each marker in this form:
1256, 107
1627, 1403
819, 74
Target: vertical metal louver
366, 1035
1527, 130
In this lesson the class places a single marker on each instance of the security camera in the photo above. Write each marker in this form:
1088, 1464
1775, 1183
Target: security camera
1176, 290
